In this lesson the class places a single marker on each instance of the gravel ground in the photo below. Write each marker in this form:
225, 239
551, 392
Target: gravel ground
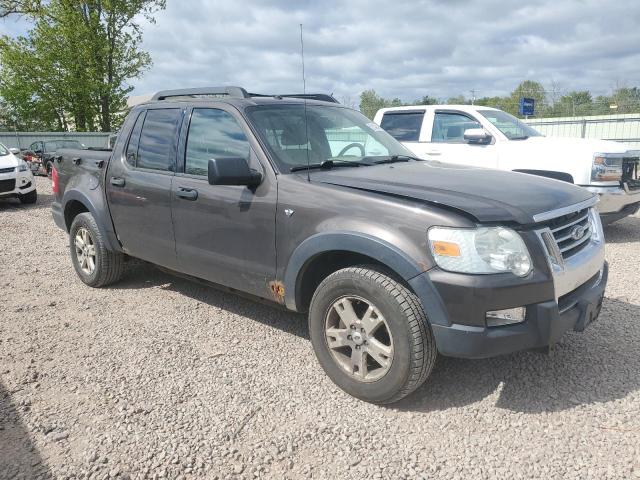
157, 377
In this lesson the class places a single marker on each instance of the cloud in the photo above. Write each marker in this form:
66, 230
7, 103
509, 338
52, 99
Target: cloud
400, 48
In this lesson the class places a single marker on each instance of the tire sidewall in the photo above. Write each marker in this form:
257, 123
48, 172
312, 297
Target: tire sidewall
349, 284
85, 220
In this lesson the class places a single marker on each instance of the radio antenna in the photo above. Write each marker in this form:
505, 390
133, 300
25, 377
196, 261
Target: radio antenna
304, 92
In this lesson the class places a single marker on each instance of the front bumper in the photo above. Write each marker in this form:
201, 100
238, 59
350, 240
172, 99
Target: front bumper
544, 324
14, 184
558, 296
616, 202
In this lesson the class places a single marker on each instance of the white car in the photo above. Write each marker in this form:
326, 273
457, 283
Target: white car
16, 179
488, 137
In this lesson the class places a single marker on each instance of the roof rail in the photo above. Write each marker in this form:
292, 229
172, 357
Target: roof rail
237, 92
324, 97
312, 96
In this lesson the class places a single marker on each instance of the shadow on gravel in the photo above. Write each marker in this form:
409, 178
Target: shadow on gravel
19, 458
599, 365
141, 275
623, 231
44, 201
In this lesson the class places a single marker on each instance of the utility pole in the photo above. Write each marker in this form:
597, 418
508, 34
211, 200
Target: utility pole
473, 96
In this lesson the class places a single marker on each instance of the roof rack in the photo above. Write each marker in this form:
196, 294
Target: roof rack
235, 92
324, 97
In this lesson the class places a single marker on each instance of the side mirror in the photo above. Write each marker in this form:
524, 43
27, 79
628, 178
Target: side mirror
233, 171
37, 152
477, 136
15, 151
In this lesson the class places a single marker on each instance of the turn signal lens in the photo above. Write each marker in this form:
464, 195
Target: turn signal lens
446, 249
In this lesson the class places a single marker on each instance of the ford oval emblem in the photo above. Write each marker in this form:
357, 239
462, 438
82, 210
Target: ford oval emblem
577, 232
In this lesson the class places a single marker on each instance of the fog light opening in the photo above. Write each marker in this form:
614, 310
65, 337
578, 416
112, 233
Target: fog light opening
510, 316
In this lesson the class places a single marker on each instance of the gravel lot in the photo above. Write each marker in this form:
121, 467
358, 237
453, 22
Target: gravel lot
157, 377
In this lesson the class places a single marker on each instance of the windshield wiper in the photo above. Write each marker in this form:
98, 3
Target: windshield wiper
326, 165
388, 159
522, 137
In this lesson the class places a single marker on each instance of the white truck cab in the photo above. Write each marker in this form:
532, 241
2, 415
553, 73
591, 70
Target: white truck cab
490, 138
16, 179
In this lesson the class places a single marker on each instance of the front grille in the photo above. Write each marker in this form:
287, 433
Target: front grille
571, 232
7, 185
7, 170
630, 174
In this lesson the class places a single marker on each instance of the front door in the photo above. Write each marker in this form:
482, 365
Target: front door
448, 143
224, 234
138, 184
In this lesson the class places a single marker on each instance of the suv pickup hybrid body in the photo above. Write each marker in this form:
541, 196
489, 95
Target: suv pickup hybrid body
488, 137
308, 204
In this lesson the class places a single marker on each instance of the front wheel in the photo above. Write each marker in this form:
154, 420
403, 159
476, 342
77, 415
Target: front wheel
96, 265
371, 335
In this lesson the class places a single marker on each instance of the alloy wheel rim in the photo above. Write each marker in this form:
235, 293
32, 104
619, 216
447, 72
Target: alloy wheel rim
85, 251
359, 338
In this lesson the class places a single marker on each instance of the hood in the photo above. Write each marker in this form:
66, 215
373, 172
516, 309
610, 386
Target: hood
588, 145
7, 161
487, 195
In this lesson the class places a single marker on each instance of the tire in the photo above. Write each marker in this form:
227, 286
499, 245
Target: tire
29, 198
108, 266
409, 341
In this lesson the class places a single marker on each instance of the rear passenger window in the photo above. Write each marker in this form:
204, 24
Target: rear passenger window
403, 126
213, 133
134, 140
157, 146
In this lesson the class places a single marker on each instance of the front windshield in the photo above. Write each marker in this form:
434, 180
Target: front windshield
334, 133
510, 126
4, 151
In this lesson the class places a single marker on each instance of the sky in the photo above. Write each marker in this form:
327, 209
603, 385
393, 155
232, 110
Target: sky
404, 49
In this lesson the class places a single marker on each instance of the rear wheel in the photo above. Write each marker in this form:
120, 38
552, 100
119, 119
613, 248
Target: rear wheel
49, 169
96, 265
371, 335
29, 198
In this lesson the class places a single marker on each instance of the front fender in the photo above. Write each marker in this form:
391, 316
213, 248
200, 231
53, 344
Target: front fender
384, 252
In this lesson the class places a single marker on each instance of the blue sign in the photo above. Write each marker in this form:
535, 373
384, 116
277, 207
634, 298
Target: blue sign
527, 106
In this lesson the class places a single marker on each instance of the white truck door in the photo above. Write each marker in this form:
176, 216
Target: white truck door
447, 142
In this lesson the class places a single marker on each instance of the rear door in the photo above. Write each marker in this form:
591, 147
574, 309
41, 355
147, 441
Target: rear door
138, 186
224, 234
406, 126
447, 142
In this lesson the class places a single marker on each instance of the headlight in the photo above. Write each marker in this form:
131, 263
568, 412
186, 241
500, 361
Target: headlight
607, 167
480, 250
23, 167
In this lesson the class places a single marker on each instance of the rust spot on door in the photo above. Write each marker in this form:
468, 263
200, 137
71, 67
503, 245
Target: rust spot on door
277, 290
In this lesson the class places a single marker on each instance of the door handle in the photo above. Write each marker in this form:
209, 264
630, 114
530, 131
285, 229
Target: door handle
117, 181
187, 194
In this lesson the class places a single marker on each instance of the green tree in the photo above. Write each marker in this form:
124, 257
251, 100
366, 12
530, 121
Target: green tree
527, 89
75, 65
371, 102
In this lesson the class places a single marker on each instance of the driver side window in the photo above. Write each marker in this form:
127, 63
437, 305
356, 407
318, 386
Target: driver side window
450, 127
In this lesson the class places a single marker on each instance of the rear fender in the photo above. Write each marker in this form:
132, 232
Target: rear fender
95, 204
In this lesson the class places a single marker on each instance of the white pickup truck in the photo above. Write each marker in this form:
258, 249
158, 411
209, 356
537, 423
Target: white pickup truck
488, 137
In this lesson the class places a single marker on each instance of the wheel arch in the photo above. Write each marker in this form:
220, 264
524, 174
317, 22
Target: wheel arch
325, 253
75, 203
